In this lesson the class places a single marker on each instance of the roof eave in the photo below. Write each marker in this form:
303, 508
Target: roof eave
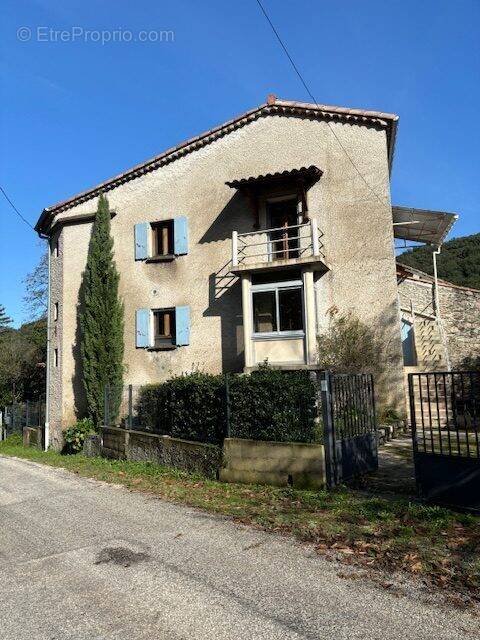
359, 116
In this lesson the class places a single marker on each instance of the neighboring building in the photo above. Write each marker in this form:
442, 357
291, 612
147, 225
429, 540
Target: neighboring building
431, 340
233, 246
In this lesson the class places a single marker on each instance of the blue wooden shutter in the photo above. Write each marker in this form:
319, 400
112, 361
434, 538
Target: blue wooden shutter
180, 236
141, 241
182, 326
142, 328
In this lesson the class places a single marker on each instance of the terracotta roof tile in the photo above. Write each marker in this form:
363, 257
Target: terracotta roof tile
387, 121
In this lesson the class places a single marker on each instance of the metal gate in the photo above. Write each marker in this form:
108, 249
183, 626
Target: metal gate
445, 420
349, 422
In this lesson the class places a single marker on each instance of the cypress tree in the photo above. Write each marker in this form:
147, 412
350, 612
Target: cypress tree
101, 320
5, 321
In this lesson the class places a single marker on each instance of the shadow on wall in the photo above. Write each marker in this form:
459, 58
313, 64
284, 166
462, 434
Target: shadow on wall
225, 302
237, 215
79, 396
224, 291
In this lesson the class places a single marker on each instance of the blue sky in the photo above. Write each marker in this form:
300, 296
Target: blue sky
74, 113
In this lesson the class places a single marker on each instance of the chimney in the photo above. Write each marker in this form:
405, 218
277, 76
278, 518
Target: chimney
271, 98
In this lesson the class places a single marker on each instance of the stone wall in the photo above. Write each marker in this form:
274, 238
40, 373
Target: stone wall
195, 457
33, 437
460, 313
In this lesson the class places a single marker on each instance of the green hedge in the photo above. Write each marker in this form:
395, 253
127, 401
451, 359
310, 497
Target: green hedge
191, 407
265, 405
273, 405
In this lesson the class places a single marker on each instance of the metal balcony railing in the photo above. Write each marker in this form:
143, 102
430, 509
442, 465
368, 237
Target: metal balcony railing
281, 243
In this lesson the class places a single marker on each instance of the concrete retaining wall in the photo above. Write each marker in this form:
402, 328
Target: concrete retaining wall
33, 437
276, 463
195, 457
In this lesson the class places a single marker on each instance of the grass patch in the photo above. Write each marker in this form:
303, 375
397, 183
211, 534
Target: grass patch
435, 543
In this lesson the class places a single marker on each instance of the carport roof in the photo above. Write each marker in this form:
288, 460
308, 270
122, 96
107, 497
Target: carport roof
422, 225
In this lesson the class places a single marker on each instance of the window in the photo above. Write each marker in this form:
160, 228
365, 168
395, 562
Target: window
55, 311
283, 218
162, 238
408, 344
278, 308
264, 312
55, 357
163, 328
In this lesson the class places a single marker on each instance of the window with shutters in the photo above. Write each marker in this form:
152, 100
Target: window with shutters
162, 239
163, 328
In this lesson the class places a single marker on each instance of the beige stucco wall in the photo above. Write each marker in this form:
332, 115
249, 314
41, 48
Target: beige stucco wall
291, 350
357, 241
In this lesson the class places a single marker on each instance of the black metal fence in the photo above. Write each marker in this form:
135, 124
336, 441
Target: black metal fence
333, 409
445, 420
229, 410
30, 413
445, 411
350, 427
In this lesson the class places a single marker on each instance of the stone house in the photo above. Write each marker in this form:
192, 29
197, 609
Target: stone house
440, 324
233, 246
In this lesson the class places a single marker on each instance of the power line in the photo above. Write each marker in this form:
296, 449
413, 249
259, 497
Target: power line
302, 80
15, 208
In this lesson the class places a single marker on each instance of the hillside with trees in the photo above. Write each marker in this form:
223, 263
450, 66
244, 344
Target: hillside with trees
459, 261
23, 351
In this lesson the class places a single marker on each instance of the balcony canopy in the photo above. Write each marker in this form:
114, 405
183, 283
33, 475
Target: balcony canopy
421, 225
307, 176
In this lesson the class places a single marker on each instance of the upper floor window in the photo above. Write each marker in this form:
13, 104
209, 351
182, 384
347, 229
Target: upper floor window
55, 311
283, 220
162, 240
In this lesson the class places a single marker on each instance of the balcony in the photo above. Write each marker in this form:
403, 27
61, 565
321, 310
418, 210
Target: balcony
283, 247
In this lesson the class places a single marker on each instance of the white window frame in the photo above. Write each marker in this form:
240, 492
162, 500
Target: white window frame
276, 287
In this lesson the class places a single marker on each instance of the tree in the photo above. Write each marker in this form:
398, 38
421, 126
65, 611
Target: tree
23, 355
5, 321
458, 262
36, 289
101, 320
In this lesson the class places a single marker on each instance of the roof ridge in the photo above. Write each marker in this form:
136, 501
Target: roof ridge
279, 107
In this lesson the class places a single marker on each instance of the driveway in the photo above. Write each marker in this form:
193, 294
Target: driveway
83, 559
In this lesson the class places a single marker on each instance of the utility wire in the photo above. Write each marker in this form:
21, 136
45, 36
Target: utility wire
302, 80
15, 209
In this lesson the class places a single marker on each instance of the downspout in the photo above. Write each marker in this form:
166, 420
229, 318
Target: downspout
437, 307
47, 392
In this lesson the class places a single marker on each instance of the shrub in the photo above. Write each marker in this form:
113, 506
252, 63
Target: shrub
350, 346
389, 415
273, 405
75, 436
190, 406
265, 405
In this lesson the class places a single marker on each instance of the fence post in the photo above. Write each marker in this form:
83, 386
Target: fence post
328, 429
27, 413
227, 406
106, 412
130, 406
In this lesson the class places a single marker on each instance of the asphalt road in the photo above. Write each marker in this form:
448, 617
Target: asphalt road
82, 559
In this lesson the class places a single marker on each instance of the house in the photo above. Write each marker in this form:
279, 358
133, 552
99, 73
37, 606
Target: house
233, 246
440, 325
